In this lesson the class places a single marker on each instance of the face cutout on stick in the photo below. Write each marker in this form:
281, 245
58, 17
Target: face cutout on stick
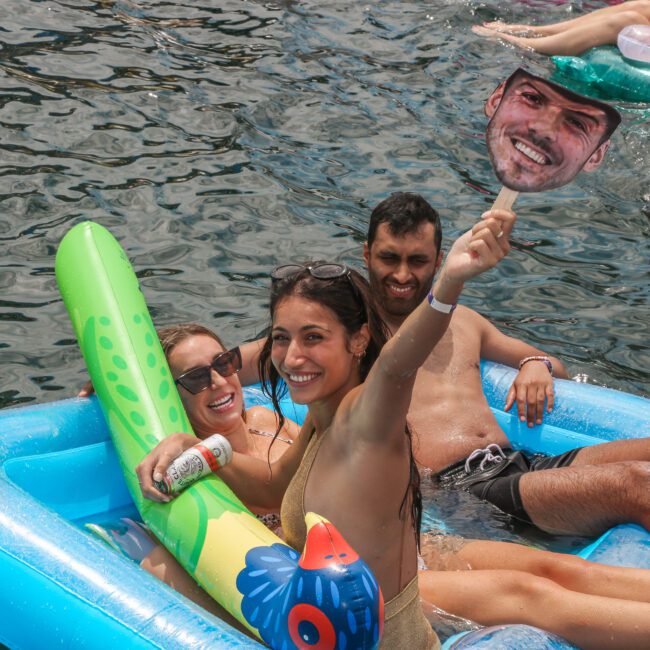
541, 135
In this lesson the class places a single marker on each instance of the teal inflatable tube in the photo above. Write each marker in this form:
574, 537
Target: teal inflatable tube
604, 73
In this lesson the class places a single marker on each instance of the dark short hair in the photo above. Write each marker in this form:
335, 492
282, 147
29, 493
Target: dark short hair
612, 116
404, 213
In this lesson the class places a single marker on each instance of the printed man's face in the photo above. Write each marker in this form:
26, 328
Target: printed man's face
538, 138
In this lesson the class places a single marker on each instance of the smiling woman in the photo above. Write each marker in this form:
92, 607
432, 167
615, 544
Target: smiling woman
209, 387
353, 460
211, 392
541, 135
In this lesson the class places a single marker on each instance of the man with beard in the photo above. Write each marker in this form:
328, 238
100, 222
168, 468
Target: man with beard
540, 135
584, 491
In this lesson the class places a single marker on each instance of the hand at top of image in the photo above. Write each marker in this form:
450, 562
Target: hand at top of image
480, 248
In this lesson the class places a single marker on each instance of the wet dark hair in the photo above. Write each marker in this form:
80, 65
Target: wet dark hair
348, 298
612, 116
404, 213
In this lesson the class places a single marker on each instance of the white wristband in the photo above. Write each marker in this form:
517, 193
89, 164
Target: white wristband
440, 306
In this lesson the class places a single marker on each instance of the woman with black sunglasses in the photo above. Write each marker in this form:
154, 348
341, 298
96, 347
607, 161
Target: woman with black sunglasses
209, 387
206, 375
352, 461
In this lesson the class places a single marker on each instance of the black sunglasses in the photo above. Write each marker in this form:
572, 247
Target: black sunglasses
319, 270
226, 364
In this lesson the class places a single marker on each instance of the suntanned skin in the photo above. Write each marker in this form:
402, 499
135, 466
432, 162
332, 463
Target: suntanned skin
490, 582
448, 392
606, 484
448, 395
572, 37
364, 455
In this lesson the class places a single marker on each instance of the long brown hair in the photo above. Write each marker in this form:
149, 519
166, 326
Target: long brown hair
348, 297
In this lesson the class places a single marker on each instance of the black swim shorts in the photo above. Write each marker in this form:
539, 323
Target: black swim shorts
493, 474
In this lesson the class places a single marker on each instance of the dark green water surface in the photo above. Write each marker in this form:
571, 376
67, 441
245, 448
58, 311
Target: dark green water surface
217, 139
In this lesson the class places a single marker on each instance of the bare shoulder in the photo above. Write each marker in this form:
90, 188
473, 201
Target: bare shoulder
470, 324
469, 318
264, 419
460, 346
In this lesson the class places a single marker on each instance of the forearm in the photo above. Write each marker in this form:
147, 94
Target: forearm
250, 352
256, 483
511, 351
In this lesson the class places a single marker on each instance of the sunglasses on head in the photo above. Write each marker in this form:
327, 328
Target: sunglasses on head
226, 364
319, 270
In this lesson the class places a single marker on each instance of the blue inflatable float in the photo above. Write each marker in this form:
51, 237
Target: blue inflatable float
63, 587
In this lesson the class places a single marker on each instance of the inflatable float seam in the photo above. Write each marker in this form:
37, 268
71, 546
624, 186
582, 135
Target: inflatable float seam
94, 605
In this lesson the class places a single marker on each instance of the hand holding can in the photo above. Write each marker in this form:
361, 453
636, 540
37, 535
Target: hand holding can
200, 460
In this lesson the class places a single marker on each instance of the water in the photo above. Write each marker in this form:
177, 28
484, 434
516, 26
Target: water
461, 514
216, 139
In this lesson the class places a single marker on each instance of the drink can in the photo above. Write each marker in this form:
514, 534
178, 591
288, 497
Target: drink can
203, 458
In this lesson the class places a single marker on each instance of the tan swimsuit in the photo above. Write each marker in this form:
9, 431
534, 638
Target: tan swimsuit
272, 519
405, 625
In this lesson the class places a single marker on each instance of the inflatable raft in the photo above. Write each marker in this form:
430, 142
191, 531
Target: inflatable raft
62, 586
604, 73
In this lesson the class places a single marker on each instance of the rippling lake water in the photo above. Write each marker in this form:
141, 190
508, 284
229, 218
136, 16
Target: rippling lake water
217, 139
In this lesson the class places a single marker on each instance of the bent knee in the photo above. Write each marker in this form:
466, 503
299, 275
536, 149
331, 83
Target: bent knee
629, 17
562, 569
636, 485
640, 6
524, 586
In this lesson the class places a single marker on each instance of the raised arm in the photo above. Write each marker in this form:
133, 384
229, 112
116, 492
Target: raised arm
250, 355
380, 406
533, 385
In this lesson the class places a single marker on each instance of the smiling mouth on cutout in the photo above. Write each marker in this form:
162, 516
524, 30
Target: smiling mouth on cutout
532, 154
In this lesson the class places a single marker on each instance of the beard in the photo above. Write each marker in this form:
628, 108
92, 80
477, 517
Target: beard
393, 306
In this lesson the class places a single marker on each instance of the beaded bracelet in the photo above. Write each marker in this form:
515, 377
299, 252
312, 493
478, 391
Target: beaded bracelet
440, 306
544, 360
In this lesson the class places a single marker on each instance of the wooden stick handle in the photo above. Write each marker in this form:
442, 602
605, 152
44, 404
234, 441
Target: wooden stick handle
505, 199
